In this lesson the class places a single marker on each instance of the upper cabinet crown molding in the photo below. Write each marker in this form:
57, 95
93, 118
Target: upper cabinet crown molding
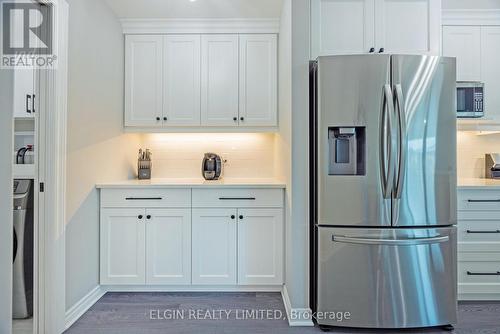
472, 17
200, 26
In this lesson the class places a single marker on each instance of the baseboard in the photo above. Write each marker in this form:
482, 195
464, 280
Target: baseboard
463, 297
192, 288
82, 306
296, 316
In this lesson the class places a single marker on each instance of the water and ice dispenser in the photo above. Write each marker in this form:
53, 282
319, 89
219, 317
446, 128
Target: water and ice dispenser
346, 151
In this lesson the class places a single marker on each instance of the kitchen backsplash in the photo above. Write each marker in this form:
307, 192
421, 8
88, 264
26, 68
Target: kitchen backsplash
471, 149
179, 155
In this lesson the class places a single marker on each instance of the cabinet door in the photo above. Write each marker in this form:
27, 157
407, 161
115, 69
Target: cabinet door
181, 99
168, 246
24, 93
219, 80
464, 43
258, 80
122, 248
342, 27
490, 70
214, 246
143, 80
408, 27
260, 246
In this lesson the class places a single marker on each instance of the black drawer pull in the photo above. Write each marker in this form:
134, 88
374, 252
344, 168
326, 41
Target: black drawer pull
470, 273
143, 198
237, 198
483, 232
483, 200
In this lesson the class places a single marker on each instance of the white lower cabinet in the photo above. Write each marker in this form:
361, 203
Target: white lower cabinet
214, 246
122, 253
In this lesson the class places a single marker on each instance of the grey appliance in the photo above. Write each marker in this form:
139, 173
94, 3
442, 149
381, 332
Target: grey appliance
211, 167
383, 191
492, 165
470, 99
22, 280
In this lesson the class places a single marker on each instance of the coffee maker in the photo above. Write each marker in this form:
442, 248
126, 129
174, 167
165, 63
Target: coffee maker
211, 167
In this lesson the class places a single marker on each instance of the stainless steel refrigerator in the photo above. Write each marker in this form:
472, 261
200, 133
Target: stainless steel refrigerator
383, 191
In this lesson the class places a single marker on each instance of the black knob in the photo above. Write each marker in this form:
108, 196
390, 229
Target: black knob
140, 217
381, 50
242, 118
372, 50
148, 217
233, 216
158, 118
235, 119
240, 217
165, 119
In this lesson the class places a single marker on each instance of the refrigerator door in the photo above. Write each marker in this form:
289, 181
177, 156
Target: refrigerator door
353, 124
387, 278
426, 176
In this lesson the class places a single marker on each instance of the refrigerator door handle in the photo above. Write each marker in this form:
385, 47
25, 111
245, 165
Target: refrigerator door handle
400, 106
386, 158
390, 242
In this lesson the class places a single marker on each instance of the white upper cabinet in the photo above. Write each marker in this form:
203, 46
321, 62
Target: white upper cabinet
258, 80
342, 27
408, 26
24, 96
464, 43
373, 26
143, 80
181, 81
490, 70
168, 246
219, 80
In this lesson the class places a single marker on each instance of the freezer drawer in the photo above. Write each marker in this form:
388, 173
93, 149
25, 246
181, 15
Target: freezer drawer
387, 278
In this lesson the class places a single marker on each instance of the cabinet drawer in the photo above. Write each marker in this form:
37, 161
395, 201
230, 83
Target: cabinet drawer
479, 268
238, 198
479, 200
479, 231
146, 198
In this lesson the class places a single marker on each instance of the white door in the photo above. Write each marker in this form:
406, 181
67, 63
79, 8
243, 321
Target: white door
182, 80
143, 80
214, 246
464, 43
342, 27
168, 246
260, 246
490, 70
219, 80
24, 93
408, 27
122, 243
258, 80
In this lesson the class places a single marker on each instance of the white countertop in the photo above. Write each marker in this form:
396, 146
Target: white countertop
196, 183
477, 183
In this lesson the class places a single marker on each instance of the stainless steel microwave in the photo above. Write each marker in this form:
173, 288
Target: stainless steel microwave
470, 99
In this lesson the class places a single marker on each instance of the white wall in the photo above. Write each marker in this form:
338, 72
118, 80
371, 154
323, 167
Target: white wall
6, 97
97, 148
180, 154
471, 149
469, 4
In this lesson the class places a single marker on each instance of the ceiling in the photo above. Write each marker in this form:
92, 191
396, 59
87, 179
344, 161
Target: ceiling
196, 9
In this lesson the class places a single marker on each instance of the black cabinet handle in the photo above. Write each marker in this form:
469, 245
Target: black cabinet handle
483, 200
165, 118
242, 118
28, 102
240, 217
235, 119
158, 118
237, 198
148, 217
233, 216
143, 198
381, 50
372, 50
483, 232
470, 273
140, 217
33, 104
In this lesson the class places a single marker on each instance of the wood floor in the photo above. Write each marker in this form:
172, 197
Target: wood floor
138, 313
